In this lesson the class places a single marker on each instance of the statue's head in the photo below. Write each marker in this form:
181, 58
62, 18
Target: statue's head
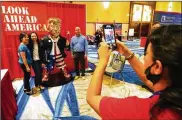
54, 27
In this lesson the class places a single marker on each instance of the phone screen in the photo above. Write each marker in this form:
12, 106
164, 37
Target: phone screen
109, 35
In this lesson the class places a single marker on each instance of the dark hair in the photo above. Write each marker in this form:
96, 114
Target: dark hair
147, 42
167, 47
22, 35
156, 22
30, 44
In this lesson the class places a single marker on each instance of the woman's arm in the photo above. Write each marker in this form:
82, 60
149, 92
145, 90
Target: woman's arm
135, 63
94, 90
23, 56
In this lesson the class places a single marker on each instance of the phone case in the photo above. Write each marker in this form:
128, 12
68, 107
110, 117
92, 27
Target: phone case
107, 30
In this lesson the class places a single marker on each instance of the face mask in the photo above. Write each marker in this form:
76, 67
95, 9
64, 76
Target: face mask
153, 78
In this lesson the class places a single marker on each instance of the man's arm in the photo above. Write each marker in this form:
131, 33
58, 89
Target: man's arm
71, 46
66, 43
86, 47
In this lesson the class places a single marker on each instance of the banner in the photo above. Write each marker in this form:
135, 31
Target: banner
22, 16
167, 17
117, 26
17, 17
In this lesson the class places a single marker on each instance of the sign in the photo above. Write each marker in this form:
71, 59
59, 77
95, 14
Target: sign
117, 26
168, 18
98, 26
23, 16
131, 32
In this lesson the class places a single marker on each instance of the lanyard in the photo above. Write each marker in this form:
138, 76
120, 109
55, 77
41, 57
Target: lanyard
156, 93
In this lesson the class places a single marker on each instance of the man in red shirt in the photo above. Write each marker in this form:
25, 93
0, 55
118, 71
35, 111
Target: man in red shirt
162, 63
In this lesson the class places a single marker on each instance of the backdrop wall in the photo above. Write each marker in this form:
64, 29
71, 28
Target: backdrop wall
118, 11
163, 6
32, 16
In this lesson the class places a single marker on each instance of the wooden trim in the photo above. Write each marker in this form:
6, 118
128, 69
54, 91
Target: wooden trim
107, 23
167, 12
152, 20
151, 4
141, 22
129, 18
131, 15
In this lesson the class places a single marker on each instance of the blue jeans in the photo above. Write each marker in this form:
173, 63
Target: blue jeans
36, 65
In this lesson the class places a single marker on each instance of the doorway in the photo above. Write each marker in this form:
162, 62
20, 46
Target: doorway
141, 17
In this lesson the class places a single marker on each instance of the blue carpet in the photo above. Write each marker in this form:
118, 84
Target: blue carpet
129, 74
77, 118
46, 97
22, 99
67, 94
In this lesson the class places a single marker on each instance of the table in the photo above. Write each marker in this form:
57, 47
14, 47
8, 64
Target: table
8, 100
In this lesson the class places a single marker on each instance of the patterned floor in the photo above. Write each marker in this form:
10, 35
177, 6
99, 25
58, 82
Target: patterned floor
36, 107
45, 105
118, 89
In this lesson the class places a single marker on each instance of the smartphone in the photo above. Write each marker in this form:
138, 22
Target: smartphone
109, 35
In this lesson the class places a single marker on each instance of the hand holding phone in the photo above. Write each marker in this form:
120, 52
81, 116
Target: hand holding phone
109, 35
104, 52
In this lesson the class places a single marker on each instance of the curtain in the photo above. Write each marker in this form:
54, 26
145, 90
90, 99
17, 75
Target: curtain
71, 15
